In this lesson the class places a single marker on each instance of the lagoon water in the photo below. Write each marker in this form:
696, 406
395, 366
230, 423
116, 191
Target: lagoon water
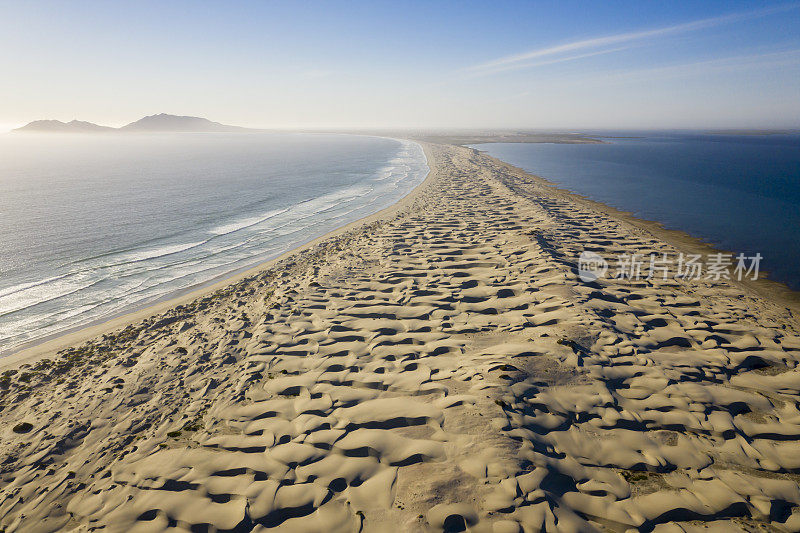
737, 192
93, 226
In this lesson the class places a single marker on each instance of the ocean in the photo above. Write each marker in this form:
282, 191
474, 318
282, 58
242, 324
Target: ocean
95, 226
737, 192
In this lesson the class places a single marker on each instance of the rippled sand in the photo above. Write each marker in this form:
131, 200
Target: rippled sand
438, 368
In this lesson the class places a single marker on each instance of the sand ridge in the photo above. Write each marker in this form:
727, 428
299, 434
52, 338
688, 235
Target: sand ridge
439, 369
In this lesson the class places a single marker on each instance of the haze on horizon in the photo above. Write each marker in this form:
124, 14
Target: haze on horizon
556, 65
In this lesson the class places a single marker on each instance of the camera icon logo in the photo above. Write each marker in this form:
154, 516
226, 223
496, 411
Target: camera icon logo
591, 266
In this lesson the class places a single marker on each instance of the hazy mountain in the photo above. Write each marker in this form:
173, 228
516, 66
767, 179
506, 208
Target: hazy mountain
56, 126
164, 122
151, 124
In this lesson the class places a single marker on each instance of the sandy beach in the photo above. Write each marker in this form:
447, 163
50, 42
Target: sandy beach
438, 366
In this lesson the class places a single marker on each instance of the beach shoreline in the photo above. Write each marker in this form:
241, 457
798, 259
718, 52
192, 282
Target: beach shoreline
765, 287
775, 291
439, 364
30, 351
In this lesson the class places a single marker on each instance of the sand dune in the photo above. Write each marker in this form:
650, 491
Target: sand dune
441, 368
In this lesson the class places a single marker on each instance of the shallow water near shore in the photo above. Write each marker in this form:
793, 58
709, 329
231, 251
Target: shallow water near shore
737, 192
97, 225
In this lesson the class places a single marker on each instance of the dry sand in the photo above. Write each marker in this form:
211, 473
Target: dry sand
438, 367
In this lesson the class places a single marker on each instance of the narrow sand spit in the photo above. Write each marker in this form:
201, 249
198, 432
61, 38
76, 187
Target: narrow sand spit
440, 368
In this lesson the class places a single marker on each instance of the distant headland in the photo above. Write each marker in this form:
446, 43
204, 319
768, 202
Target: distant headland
161, 123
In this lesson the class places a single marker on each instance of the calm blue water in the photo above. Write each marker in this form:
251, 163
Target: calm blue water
740, 193
93, 226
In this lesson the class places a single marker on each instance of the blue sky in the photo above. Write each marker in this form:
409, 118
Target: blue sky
557, 65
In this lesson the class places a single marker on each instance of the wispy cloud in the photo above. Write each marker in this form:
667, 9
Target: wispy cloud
785, 59
541, 63
781, 59
556, 53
